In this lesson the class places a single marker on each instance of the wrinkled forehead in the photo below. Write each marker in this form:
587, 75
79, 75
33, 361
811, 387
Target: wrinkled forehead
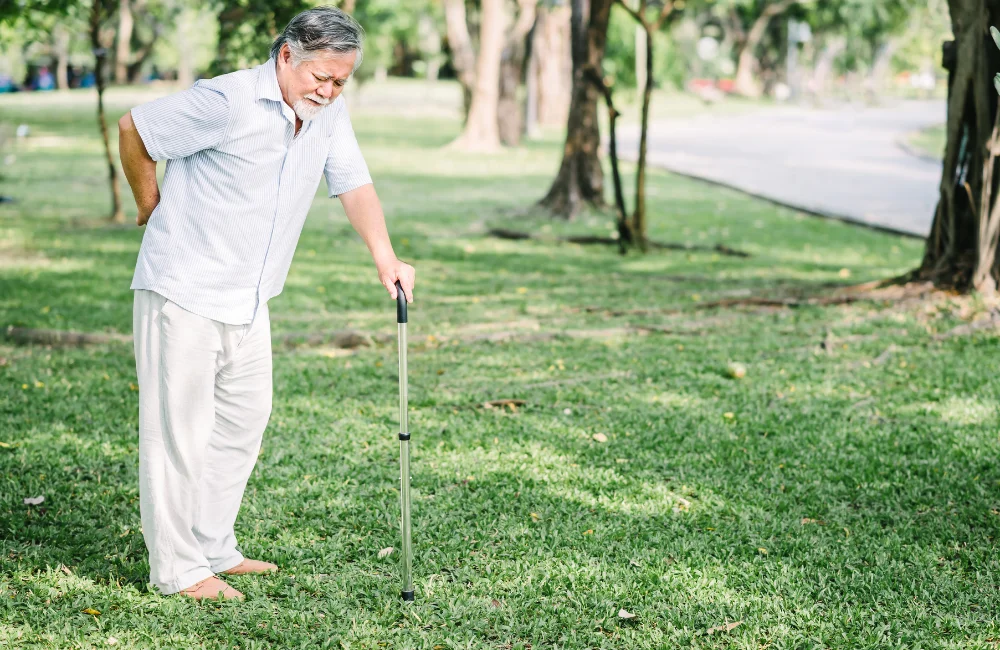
332, 65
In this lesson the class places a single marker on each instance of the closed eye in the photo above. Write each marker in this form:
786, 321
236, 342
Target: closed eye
337, 82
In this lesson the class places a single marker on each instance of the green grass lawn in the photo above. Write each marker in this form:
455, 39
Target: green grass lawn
843, 494
929, 142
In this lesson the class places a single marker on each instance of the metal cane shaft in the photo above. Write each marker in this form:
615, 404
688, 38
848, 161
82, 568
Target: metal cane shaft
404, 466
404, 450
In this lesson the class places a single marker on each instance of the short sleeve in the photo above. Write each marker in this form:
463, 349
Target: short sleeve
183, 123
345, 166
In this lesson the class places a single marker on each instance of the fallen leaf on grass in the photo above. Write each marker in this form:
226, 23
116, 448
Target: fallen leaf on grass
112, 640
65, 569
384, 552
600, 437
737, 370
722, 628
91, 611
534, 515
807, 520
762, 550
729, 415
495, 603
622, 614
589, 531
4, 444
33, 501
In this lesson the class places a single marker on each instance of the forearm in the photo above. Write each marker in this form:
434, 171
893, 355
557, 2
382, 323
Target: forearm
365, 214
139, 168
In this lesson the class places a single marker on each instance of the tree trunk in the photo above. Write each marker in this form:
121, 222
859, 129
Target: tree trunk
819, 84
60, 44
100, 59
876, 81
463, 57
625, 238
531, 87
641, 55
509, 110
429, 44
135, 68
124, 50
961, 249
639, 216
745, 84
580, 178
481, 131
553, 64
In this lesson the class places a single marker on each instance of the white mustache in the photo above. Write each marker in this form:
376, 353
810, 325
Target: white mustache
319, 100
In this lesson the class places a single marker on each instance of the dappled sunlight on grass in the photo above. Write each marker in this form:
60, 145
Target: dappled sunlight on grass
958, 410
962, 411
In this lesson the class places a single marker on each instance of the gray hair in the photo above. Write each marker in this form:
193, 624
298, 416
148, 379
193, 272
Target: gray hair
320, 29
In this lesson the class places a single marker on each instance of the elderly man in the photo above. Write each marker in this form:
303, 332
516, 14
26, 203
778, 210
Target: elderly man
245, 152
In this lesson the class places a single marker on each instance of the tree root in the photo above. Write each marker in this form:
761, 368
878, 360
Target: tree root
992, 322
503, 233
346, 339
62, 338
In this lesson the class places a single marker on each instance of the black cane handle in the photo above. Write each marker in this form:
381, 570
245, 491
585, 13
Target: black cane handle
400, 303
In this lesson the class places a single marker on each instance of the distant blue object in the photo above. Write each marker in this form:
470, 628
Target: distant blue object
45, 80
88, 80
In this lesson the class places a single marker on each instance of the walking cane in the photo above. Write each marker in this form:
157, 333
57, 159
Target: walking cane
404, 447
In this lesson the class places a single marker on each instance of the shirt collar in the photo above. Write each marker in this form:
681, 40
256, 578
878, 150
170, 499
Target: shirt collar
267, 81
268, 88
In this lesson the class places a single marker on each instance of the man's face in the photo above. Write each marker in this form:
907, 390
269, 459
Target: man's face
314, 84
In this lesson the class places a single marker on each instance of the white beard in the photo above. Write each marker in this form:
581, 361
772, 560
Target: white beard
307, 110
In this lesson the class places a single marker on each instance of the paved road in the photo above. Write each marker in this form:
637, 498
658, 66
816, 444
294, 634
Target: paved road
843, 162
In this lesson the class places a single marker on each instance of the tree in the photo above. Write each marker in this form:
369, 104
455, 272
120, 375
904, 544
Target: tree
580, 178
509, 110
482, 132
100, 11
635, 230
961, 250
550, 67
463, 55
123, 52
758, 14
863, 33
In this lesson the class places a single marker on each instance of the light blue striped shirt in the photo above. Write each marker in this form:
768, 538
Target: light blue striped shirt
237, 189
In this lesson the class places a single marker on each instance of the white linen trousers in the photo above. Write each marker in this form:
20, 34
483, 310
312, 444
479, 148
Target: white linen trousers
204, 402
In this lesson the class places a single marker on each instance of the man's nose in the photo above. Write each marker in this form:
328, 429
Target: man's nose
325, 90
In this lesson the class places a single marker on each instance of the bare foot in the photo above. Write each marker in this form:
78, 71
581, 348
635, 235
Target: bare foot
212, 588
251, 566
